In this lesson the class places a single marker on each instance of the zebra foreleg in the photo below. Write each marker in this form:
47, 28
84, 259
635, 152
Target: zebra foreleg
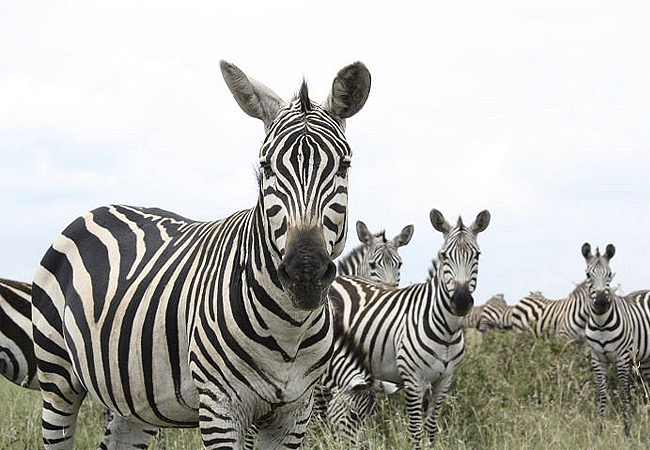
122, 434
286, 431
623, 374
436, 396
413, 399
600, 369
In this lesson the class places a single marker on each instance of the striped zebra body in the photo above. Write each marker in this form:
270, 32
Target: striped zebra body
492, 314
377, 258
565, 318
618, 331
413, 335
17, 360
224, 325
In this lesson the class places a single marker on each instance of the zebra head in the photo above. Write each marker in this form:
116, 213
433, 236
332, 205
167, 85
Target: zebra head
303, 177
457, 266
381, 260
599, 277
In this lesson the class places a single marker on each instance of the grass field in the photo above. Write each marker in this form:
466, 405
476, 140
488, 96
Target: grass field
511, 392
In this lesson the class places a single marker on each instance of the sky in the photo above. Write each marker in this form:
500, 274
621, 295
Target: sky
536, 111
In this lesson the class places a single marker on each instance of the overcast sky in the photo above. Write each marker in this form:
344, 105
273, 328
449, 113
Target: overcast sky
538, 112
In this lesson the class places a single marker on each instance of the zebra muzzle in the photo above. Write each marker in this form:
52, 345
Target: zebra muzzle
461, 301
306, 272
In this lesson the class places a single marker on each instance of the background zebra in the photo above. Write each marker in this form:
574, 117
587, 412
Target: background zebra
17, 360
618, 330
376, 258
565, 318
225, 325
483, 316
413, 335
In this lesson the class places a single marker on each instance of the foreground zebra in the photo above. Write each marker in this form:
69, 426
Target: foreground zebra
376, 258
224, 325
17, 360
413, 336
618, 330
565, 318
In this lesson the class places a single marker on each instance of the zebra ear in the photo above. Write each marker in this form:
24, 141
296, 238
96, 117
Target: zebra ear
609, 251
253, 97
586, 251
481, 223
439, 222
404, 237
365, 236
350, 90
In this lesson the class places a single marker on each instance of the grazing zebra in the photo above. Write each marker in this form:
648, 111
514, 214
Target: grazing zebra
565, 318
224, 325
618, 330
376, 258
17, 360
413, 335
483, 316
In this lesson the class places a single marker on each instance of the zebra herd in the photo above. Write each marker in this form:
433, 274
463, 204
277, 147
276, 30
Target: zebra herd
241, 326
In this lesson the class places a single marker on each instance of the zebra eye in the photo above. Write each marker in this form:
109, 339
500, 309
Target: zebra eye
343, 168
373, 265
265, 167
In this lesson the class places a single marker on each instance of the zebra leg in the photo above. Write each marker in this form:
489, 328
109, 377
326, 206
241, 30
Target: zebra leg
413, 399
600, 369
349, 410
623, 375
122, 434
287, 430
59, 415
435, 398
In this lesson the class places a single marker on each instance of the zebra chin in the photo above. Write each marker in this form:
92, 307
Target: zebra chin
307, 271
461, 301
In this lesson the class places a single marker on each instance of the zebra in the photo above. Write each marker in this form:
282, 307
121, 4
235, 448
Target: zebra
17, 359
376, 258
224, 325
412, 336
483, 316
565, 318
618, 330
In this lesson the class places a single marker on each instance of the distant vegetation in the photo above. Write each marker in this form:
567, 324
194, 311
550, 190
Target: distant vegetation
511, 392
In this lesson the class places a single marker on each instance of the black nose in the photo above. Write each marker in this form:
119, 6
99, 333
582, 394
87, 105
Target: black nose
306, 271
601, 301
461, 301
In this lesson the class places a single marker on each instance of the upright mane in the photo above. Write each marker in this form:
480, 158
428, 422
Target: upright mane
303, 96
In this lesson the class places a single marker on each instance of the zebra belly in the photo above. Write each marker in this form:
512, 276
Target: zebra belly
129, 368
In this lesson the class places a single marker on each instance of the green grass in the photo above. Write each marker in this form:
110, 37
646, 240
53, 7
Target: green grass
511, 392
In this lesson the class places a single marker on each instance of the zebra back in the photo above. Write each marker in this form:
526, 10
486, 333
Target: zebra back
17, 359
377, 258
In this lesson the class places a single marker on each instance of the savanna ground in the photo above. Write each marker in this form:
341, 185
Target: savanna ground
511, 392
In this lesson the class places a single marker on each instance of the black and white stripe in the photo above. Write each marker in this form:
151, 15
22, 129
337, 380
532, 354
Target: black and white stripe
565, 318
377, 258
486, 316
413, 336
17, 360
618, 330
224, 325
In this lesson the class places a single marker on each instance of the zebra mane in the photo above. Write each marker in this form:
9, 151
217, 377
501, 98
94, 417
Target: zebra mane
303, 96
432, 270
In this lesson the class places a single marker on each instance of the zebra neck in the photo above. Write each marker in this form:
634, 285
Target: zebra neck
438, 312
